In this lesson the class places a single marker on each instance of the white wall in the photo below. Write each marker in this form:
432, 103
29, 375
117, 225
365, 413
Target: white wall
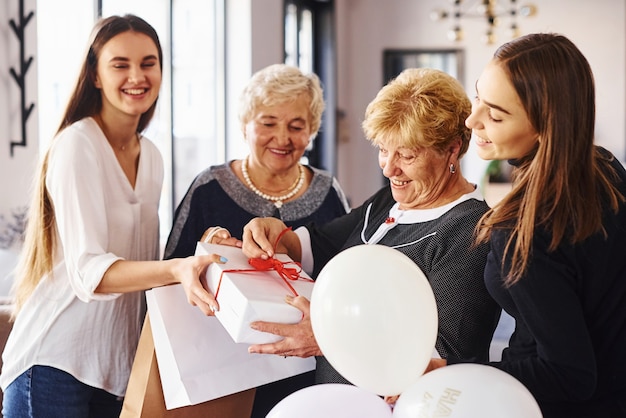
364, 29
367, 27
15, 170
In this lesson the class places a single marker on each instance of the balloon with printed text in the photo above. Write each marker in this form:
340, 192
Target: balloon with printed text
467, 390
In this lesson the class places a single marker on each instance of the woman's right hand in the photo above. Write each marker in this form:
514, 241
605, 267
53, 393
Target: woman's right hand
259, 237
298, 339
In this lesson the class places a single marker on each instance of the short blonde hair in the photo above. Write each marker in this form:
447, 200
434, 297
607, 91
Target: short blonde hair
421, 108
281, 83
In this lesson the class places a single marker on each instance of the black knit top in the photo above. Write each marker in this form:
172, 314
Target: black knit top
218, 197
440, 244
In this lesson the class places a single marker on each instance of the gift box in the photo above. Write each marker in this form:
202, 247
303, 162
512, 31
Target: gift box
247, 294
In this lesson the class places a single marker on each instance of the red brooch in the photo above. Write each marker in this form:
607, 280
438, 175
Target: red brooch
390, 220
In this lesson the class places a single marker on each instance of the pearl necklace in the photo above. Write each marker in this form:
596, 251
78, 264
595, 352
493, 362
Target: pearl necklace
277, 200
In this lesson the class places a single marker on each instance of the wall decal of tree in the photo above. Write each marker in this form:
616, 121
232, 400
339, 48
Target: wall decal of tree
24, 65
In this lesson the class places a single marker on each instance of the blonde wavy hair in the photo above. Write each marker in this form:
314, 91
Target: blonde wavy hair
422, 108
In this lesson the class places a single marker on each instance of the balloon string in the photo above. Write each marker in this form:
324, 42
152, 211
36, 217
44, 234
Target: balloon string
259, 264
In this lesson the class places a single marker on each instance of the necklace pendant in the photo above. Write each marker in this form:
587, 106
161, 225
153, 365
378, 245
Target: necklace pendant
277, 200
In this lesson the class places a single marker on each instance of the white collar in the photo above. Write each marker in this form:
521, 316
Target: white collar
412, 216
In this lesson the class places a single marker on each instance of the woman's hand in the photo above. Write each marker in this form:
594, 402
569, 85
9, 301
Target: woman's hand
259, 238
298, 340
188, 272
221, 236
433, 364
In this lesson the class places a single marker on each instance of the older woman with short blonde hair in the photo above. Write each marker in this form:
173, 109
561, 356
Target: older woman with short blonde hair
428, 212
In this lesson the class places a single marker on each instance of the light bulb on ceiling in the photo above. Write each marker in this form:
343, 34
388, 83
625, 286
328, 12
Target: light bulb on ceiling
491, 11
437, 15
489, 37
514, 31
456, 34
528, 10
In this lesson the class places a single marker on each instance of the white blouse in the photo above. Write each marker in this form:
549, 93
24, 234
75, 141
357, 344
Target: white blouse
100, 219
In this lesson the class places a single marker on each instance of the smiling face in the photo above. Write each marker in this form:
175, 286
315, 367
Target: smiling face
279, 134
415, 175
128, 74
500, 126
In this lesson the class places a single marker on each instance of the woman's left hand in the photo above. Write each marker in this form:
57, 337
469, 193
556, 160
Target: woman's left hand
298, 341
433, 364
221, 236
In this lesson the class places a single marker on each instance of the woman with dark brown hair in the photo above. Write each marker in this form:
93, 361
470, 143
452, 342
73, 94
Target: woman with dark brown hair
93, 223
558, 240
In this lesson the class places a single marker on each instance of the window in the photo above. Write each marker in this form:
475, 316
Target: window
449, 60
310, 45
188, 126
197, 90
59, 55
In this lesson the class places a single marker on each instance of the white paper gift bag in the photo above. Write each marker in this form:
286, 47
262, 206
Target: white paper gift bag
246, 294
198, 360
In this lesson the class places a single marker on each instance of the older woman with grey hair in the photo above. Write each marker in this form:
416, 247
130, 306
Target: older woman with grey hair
280, 114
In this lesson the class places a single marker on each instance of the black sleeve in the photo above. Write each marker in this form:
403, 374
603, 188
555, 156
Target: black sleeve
329, 239
188, 228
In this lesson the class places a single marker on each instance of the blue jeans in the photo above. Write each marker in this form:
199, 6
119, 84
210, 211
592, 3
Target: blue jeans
46, 392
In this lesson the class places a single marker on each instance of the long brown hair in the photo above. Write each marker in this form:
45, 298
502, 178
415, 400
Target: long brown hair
561, 185
37, 256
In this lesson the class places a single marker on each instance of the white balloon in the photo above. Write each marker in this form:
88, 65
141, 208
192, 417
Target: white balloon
331, 400
374, 317
467, 390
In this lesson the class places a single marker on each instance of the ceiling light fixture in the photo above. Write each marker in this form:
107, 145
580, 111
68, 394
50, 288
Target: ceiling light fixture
490, 10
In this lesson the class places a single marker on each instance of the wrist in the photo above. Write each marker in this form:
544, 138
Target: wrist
289, 243
173, 266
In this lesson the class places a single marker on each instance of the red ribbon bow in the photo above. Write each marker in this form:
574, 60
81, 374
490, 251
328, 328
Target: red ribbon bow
259, 264
285, 273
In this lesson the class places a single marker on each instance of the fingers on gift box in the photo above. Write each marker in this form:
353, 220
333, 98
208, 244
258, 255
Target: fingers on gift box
254, 290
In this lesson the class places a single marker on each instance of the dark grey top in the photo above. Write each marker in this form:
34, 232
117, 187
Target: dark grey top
441, 245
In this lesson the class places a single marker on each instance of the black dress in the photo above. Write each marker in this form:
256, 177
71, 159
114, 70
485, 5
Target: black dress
440, 242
